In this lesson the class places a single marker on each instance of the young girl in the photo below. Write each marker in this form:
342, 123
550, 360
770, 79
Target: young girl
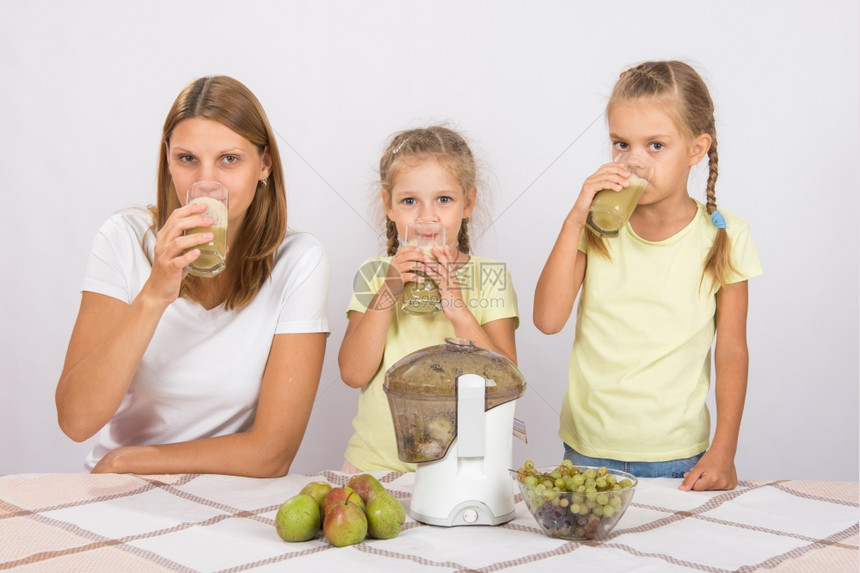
175, 373
654, 297
425, 175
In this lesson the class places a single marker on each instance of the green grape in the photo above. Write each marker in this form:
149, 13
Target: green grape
609, 510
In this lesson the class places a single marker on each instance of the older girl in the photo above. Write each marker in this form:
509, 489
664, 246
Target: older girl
653, 298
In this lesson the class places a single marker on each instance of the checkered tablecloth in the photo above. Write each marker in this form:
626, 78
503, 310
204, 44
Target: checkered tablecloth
126, 523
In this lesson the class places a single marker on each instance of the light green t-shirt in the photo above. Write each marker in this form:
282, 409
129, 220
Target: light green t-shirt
640, 366
487, 292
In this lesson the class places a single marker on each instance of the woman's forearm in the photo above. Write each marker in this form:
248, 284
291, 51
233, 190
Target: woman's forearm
106, 346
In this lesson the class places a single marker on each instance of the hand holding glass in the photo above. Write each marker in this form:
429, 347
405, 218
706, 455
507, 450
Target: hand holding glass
423, 298
213, 255
611, 209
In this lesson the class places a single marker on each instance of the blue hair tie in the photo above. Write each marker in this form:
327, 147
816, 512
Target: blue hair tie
718, 220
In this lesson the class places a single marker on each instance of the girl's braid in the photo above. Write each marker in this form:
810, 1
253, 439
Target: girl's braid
463, 242
713, 173
391, 235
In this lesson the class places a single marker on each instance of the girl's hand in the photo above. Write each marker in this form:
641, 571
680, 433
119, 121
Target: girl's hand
169, 257
609, 176
443, 271
713, 472
402, 269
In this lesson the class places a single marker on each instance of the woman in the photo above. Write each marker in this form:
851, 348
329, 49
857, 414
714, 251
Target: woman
186, 374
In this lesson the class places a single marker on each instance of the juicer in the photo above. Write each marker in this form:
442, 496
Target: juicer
453, 410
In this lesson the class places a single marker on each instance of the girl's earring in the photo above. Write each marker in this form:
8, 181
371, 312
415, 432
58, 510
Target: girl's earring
264, 182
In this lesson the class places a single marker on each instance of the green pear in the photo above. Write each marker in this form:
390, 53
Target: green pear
385, 516
365, 485
298, 518
317, 490
345, 524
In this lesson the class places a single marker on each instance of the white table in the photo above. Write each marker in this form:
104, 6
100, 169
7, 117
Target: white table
107, 522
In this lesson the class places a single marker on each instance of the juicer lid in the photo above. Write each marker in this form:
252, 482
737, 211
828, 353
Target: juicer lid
431, 373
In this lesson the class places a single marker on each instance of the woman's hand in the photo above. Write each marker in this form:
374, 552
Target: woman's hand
111, 462
170, 261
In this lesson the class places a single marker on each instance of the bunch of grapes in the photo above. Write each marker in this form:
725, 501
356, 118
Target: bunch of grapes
574, 503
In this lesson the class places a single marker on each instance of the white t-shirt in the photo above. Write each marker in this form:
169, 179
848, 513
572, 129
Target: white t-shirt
200, 375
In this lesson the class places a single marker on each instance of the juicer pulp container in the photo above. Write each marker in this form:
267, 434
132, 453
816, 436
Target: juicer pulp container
453, 409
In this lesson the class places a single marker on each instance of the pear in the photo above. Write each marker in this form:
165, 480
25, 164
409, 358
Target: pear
341, 495
317, 490
298, 518
365, 485
385, 516
345, 524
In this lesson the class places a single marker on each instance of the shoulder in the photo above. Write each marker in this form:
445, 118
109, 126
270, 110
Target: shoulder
479, 260
137, 220
300, 245
735, 224
744, 254
487, 274
486, 267
128, 227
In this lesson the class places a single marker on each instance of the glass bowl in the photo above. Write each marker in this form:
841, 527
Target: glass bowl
589, 512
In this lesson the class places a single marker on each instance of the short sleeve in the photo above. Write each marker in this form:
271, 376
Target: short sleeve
744, 254
367, 281
118, 259
304, 306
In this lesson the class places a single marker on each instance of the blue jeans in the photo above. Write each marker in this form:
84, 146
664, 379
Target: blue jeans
668, 469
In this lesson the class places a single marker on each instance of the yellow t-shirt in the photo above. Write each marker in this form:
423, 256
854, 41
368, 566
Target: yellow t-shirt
487, 292
640, 366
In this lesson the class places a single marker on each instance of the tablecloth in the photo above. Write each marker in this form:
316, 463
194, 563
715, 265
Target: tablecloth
129, 523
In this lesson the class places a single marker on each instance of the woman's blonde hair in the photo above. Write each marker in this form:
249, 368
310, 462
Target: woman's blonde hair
688, 102
230, 103
407, 148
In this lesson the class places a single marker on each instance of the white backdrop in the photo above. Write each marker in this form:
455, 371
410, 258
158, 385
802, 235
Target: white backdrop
87, 84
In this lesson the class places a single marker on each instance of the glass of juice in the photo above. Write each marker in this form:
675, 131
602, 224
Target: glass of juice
423, 297
611, 209
213, 255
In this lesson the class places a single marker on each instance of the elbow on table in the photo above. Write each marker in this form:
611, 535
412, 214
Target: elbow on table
270, 468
